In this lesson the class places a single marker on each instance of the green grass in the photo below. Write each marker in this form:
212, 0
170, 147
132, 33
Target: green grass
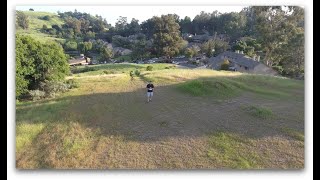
116, 68
105, 122
230, 86
259, 112
232, 151
293, 133
35, 25
26, 134
215, 88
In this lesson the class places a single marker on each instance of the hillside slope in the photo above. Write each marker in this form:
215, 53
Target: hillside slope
198, 119
36, 23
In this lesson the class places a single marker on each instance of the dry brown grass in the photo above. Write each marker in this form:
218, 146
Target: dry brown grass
107, 124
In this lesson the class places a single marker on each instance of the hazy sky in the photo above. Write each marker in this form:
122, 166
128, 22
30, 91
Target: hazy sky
112, 13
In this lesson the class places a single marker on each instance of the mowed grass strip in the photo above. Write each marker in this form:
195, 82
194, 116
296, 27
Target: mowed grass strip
233, 151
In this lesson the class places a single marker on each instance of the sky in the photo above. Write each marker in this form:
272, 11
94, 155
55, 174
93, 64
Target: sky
112, 13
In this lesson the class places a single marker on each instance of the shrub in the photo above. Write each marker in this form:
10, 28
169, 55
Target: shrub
170, 67
71, 83
137, 72
32, 54
149, 68
225, 65
44, 27
109, 72
36, 94
46, 18
131, 74
51, 88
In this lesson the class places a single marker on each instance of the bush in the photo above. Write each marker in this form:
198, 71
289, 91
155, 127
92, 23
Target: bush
36, 94
131, 74
109, 72
137, 72
225, 65
170, 67
46, 18
149, 68
71, 83
51, 88
32, 54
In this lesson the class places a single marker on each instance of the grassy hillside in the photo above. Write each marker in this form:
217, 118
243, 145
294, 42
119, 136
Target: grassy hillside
36, 23
197, 119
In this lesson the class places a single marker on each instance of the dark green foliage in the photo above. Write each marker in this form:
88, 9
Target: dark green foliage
46, 18
131, 74
167, 38
37, 63
149, 68
70, 45
212, 47
225, 65
137, 72
191, 52
106, 54
120, 41
84, 47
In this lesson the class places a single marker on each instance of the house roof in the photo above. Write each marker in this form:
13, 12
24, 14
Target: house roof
76, 61
237, 58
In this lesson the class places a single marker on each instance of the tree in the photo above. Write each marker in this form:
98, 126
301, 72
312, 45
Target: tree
31, 9
192, 51
98, 44
133, 27
84, 47
22, 20
248, 45
185, 25
71, 46
166, 38
120, 41
121, 26
277, 29
38, 63
140, 48
148, 28
208, 48
106, 53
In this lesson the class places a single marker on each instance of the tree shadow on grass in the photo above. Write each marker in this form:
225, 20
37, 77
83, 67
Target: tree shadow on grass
105, 130
127, 114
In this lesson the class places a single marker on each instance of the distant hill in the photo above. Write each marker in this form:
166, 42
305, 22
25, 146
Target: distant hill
36, 23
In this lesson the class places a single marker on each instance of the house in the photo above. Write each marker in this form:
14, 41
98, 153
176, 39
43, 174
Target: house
241, 63
79, 61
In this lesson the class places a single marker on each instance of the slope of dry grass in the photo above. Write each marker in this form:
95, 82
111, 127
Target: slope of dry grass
106, 123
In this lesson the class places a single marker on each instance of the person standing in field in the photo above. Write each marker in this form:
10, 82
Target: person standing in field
150, 88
